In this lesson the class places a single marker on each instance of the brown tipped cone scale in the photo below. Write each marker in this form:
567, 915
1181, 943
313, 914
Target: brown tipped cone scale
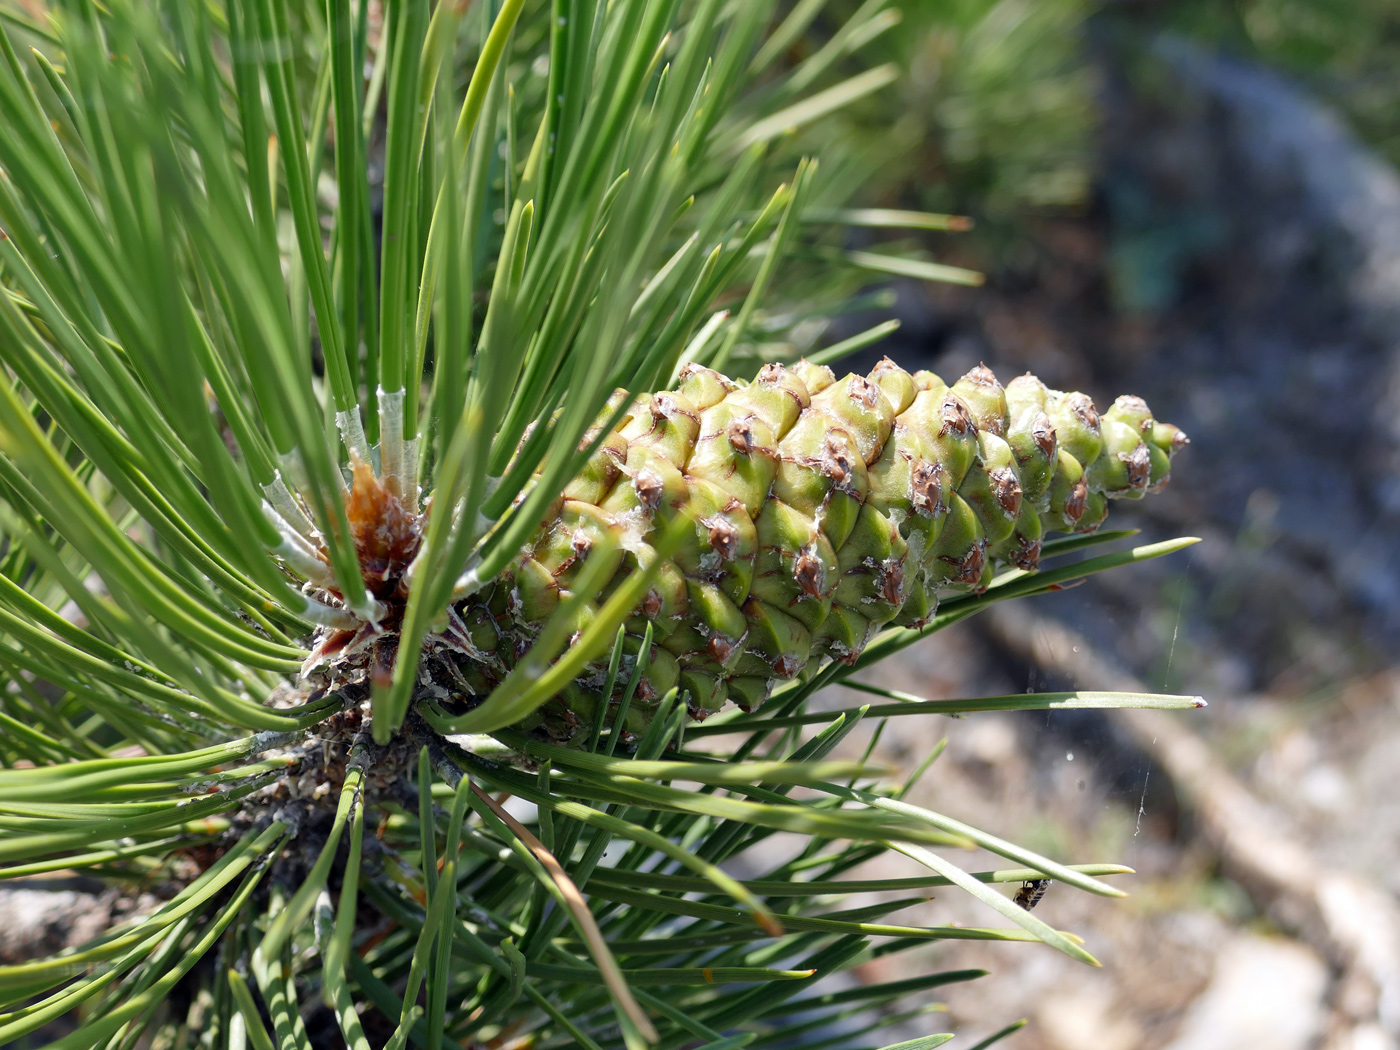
823, 510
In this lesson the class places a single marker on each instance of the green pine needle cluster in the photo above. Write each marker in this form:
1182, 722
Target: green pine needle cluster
256, 251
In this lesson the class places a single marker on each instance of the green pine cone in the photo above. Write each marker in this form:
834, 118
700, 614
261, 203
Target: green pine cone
823, 511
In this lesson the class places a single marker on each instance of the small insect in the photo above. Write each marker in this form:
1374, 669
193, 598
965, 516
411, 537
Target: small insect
1028, 896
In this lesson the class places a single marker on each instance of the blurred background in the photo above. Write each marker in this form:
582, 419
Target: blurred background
1196, 202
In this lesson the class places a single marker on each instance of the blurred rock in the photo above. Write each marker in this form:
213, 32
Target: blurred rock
1365, 1037
1266, 992
1087, 1018
39, 922
1281, 353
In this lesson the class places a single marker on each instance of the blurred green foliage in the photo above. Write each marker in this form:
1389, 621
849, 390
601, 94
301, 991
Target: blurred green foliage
1007, 99
1346, 50
996, 115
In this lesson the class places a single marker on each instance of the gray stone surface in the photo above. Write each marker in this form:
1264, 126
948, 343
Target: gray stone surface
1265, 992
